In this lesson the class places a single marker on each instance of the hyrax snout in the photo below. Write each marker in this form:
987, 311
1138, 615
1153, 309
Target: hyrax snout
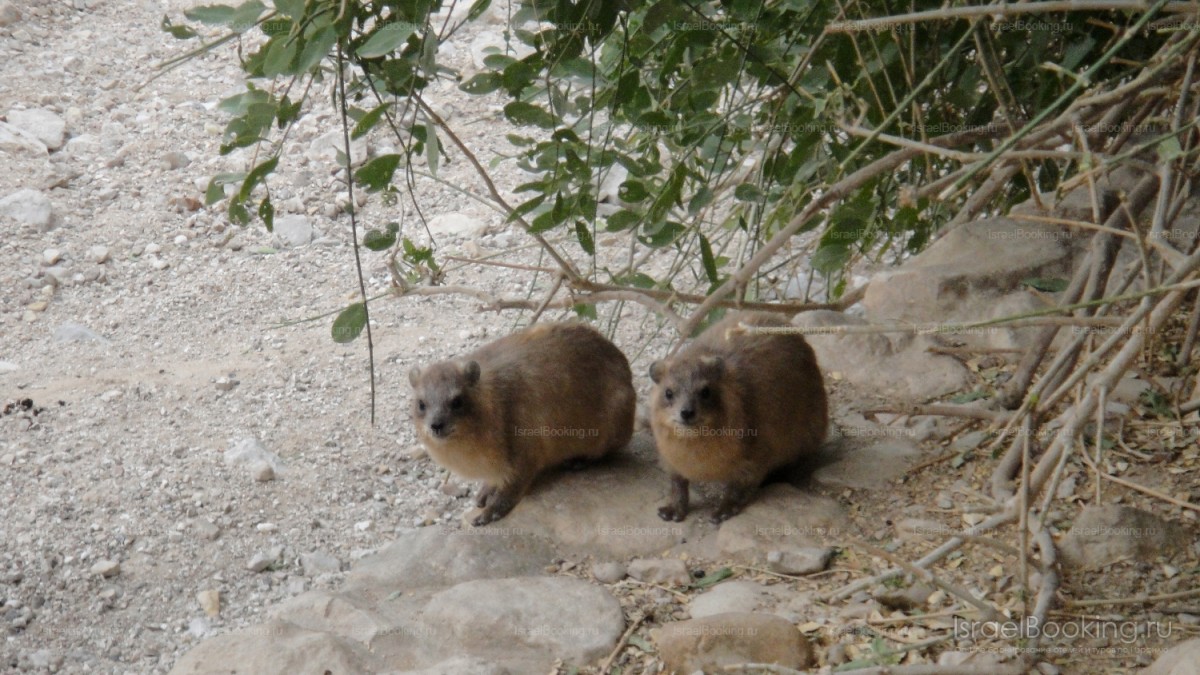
733, 407
502, 414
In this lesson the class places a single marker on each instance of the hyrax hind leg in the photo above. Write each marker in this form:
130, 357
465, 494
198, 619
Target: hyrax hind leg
677, 509
486, 492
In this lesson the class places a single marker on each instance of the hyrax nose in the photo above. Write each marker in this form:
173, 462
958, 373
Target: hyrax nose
438, 428
687, 414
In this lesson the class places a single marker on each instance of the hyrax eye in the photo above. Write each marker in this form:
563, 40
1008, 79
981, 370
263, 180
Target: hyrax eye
456, 403
704, 393
668, 394
421, 406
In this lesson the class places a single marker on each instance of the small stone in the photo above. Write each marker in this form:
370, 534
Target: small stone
45, 125
176, 160
266, 527
106, 568
9, 14
799, 560
210, 602
51, 256
159, 264
293, 230
30, 207
363, 525
668, 571
152, 249
906, 599
608, 572
110, 396
39, 306
225, 383
181, 240
713, 642
260, 561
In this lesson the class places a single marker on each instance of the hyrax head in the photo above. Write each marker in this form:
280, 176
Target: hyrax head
443, 395
688, 392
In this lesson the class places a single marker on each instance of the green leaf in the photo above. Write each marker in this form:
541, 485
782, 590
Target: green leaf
316, 48
386, 40
379, 241
712, 578
1046, 285
179, 32
280, 53
216, 186
585, 238
710, 262
637, 280
748, 192
255, 177
349, 323
246, 16
585, 311
483, 83
477, 9
968, 397
211, 15
377, 173
830, 258
632, 191
290, 8
266, 211
520, 112
621, 221
369, 121
701, 199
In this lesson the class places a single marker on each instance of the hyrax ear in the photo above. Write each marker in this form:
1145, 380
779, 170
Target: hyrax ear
657, 370
470, 372
414, 377
712, 366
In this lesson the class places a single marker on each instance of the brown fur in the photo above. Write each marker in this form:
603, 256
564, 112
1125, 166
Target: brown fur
495, 403
732, 408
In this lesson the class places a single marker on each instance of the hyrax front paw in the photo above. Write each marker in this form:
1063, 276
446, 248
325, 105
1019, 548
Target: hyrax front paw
672, 513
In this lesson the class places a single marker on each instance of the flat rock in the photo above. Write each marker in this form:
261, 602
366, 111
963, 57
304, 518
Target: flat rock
319, 562
728, 597
781, 518
554, 617
799, 561
44, 125
14, 141
971, 274
663, 571
460, 665
609, 510
277, 647
868, 466
604, 572
327, 145
895, 365
433, 558
1182, 659
713, 642
30, 207
9, 14
1102, 535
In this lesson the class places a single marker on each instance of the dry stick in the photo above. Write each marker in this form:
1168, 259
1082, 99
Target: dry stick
1140, 488
997, 180
1005, 9
1023, 521
621, 644
1032, 319
1007, 466
1099, 444
1074, 418
1189, 341
1085, 279
1134, 600
564, 265
944, 410
963, 594
1050, 582
836, 192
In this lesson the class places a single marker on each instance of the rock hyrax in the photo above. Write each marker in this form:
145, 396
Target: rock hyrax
549, 394
733, 407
